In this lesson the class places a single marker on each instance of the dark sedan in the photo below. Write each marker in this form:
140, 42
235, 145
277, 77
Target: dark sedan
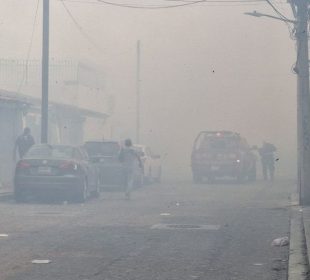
56, 169
106, 154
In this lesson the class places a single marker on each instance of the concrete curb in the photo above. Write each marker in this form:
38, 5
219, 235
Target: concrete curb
6, 195
298, 266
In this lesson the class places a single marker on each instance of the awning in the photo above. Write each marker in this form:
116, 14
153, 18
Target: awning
35, 104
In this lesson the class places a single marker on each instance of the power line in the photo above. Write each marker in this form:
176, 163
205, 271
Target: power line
30, 46
187, 3
276, 10
205, 2
33, 30
150, 7
79, 27
285, 20
222, 1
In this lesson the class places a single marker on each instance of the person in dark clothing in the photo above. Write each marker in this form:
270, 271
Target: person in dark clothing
266, 153
23, 143
131, 163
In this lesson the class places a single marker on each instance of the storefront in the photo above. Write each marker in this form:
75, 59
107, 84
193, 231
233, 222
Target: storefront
66, 126
12, 112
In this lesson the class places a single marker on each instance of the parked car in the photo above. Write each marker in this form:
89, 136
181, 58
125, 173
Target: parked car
151, 163
56, 169
106, 154
222, 154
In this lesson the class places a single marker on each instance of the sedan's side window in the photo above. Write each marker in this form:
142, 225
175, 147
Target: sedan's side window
77, 154
84, 154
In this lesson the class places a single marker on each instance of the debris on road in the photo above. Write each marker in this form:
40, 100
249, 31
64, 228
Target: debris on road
4, 235
280, 242
165, 214
185, 227
41, 261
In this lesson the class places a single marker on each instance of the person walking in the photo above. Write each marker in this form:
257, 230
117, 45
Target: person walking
23, 143
266, 153
131, 163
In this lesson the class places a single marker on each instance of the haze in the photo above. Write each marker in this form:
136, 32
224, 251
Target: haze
204, 67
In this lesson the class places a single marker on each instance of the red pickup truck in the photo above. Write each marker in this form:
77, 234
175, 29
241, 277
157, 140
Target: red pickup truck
220, 154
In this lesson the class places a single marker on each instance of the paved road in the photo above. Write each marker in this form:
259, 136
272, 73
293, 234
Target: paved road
165, 232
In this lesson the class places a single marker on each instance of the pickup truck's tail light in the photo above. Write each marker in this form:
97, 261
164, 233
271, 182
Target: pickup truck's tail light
23, 164
201, 156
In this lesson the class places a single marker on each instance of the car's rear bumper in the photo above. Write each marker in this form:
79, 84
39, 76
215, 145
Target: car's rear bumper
217, 170
44, 184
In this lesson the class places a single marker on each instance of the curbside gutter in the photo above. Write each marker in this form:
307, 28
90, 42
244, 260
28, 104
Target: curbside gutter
298, 266
5, 195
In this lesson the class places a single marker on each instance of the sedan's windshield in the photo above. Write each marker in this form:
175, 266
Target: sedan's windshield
102, 148
48, 151
219, 143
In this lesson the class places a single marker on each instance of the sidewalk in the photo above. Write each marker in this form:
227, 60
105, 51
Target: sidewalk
306, 226
5, 192
298, 268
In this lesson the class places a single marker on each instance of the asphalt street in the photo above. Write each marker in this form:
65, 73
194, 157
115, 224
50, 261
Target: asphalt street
166, 231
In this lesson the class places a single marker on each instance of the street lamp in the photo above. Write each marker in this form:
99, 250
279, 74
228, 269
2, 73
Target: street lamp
257, 14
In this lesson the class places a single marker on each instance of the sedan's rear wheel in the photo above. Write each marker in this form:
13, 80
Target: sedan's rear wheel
197, 178
19, 196
252, 175
96, 193
82, 192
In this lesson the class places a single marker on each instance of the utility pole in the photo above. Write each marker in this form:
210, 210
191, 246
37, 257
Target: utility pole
303, 100
300, 12
45, 74
138, 97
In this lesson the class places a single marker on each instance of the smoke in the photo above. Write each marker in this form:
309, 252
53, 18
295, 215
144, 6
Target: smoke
202, 68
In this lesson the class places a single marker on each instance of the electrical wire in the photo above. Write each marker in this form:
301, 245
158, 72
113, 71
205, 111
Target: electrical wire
276, 10
205, 2
150, 7
79, 27
29, 47
185, 3
220, 1
209, 3
291, 30
96, 2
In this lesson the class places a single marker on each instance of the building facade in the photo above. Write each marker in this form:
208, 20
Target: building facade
78, 106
